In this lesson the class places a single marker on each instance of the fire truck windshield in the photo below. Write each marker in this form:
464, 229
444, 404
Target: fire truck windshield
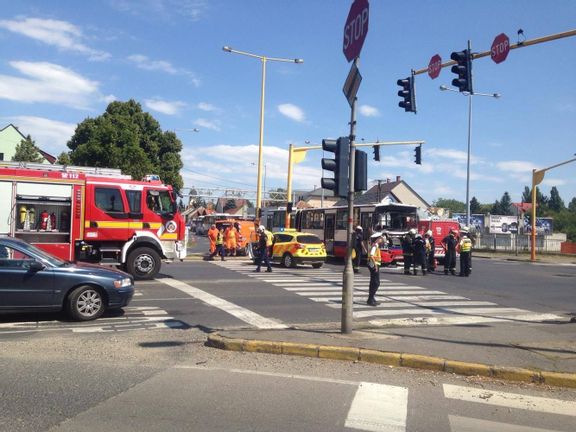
159, 201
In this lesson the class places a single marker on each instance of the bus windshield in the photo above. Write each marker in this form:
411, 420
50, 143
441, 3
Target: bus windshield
394, 219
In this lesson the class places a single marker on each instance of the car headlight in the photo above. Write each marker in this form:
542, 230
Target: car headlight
122, 283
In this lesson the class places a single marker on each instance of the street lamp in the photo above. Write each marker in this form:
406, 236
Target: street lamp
494, 95
263, 59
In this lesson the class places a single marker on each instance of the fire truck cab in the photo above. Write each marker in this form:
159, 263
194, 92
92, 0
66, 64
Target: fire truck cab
96, 215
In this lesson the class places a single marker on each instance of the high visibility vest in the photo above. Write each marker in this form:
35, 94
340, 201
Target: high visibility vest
219, 238
377, 256
465, 245
269, 238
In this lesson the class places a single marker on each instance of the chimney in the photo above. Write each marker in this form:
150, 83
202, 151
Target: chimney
387, 180
398, 178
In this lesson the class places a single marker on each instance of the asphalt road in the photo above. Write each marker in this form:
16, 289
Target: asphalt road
167, 380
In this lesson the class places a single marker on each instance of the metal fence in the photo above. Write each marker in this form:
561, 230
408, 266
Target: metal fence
516, 243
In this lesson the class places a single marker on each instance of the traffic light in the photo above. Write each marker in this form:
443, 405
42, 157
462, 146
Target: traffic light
360, 171
376, 153
407, 94
339, 165
289, 207
418, 155
463, 69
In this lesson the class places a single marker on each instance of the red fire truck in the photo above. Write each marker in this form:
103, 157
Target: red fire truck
96, 215
440, 228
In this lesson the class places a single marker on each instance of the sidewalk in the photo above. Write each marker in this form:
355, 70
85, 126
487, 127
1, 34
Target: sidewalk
540, 258
543, 353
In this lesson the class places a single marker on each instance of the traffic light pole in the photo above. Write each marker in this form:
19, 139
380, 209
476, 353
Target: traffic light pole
348, 277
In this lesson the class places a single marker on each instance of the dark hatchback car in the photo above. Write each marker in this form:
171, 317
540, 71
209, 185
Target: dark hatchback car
32, 280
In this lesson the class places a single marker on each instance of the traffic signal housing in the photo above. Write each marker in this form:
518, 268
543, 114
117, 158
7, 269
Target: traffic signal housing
360, 171
418, 155
376, 153
407, 94
463, 69
339, 165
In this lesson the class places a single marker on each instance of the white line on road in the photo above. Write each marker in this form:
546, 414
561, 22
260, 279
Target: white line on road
510, 400
499, 312
460, 320
239, 312
466, 424
378, 408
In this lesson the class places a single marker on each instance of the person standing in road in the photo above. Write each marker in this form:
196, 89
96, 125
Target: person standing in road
220, 243
465, 254
374, 262
359, 248
449, 244
263, 250
230, 240
430, 248
212, 235
419, 254
408, 250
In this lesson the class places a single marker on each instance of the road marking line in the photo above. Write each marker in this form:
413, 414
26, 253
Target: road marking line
378, 408
466, 424
510, 400
422, 305
239, 312
498, 312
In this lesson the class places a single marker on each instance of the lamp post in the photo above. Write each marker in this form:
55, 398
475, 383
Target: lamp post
264, 60
494, 95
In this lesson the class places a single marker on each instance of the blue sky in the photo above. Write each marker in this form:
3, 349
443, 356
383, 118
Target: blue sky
63, 61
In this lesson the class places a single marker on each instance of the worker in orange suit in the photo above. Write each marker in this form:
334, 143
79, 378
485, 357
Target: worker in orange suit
212, 236
230, 240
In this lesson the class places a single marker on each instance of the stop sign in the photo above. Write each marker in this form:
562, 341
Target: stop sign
435, 66
355, 29
500, 48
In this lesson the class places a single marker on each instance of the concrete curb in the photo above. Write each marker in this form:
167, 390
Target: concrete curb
416, 361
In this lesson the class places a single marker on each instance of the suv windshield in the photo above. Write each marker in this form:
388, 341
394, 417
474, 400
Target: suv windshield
308, 239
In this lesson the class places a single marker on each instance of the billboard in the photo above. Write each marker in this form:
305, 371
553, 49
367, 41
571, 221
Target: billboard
476, 221
544, 225
503, 224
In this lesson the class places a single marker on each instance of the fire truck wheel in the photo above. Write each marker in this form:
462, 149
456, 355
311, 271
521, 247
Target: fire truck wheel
86, 303
288, 261
143, 263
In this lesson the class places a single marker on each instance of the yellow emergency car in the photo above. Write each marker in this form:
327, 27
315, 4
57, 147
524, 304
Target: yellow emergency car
291, 247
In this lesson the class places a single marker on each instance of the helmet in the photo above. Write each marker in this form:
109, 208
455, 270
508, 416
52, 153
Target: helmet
412, 231
261, 228
429, 233
418, 235
376, 235
464, 229
358, 228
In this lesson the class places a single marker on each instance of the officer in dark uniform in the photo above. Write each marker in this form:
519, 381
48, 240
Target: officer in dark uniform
430, 248
449, 244
408, 250
419, 254
358, 248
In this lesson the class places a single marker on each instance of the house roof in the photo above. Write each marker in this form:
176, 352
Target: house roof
380, 191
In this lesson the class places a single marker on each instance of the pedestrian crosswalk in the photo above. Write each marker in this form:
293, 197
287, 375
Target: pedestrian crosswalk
401, 304
132, 318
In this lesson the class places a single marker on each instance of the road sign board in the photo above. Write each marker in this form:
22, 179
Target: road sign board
435, 66
355, 29
500, 48
352, 84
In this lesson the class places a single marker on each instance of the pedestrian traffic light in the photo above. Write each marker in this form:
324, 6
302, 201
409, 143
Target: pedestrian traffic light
360, 171
418, 155
376, 153
463, 69
407, 94
339, 165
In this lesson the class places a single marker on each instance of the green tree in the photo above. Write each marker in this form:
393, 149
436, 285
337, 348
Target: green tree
496, 208
527, 195
26, 151
506, 204
125, 137
555, 203
572, 205
475, 206
230, 204
64, 159
453, 205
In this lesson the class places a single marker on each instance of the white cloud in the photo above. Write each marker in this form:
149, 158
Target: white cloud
554, 182
519, 167
61, 34
166, 10
292, 112
206, 107
49, 135
208, 124
454, 155
164, 107
369, 111
48, 83
145, 63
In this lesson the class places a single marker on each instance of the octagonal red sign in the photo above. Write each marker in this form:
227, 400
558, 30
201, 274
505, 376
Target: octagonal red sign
435, 66
355, 29
500, 48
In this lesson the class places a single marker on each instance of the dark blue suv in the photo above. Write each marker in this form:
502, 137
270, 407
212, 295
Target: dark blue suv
32, 280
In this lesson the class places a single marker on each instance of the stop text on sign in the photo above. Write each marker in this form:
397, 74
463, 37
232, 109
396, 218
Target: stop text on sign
500, 48
434, 66
356, 29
